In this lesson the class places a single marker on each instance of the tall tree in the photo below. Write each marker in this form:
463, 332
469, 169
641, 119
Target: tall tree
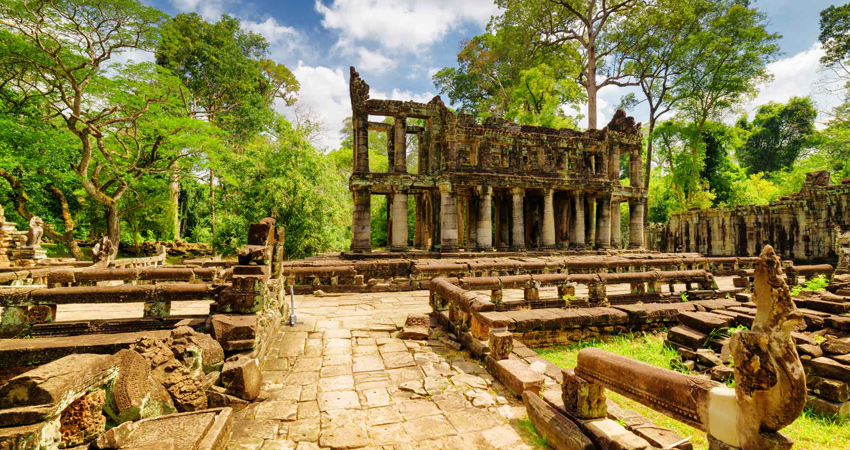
228, 78
835, 38
588, 26
497, 75
58, 52
778, 134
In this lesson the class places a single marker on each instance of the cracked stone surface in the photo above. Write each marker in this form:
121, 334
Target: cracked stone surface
341, 380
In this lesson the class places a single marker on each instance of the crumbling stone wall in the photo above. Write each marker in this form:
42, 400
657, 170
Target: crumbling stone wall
810, 225
496, 184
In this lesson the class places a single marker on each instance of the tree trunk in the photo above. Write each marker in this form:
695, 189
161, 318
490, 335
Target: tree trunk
174, 200
212, 204
648, 170
591, 87
113, 226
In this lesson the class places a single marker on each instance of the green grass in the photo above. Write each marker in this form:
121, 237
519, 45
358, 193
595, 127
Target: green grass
809, 431
529, 434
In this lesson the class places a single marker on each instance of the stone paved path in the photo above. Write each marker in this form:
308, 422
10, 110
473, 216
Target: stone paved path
340, 380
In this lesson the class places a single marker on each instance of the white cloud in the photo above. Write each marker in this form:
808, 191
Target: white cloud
270, 29
374, 61
404, 25
325, 91
210, 10
796, 76
404, 95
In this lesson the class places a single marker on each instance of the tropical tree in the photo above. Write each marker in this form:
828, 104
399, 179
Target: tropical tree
586, 29
777, 135
61, 54
227, 79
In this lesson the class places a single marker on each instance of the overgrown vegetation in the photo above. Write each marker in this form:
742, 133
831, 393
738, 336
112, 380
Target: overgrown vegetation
817, 283
810, 431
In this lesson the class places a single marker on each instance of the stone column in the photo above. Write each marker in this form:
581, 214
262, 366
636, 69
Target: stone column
400, 138
590, 219
604, 235
399, 242
361, 143
485, 219
616, 221
518, 232
548, 219
577, 239
448, 219
361, 224
636, 223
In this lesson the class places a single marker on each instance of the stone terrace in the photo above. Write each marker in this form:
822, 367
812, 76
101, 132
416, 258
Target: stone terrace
339, 380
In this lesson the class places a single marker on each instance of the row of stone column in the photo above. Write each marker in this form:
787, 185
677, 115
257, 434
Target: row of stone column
606, 213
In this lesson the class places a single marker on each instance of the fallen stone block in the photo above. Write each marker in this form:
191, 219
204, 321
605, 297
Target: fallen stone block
827, 368
234, 332
704, 322
560, 432
839, 411
135, 394
835, 347
610, 435
83, 420
218, 398
829, 389
35, 436
59, 380
687, 337
515, 375
241, 377
201, 430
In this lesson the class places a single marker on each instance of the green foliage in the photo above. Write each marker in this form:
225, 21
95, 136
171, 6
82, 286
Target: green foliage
224, 72
817, 283
281, 175
496, 74
777, 135
835, 34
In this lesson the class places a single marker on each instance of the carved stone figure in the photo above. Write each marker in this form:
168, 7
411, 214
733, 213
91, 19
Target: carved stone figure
102, 252
35, 232
770, 383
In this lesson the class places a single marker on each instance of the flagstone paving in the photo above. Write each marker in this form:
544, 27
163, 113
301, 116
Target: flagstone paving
341, 380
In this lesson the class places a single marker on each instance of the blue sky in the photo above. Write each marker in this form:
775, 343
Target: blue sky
397, 45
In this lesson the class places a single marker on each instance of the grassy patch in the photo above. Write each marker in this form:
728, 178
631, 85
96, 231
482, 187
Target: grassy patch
810, 432
529, 434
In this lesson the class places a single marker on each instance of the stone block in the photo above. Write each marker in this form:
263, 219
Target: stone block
58, 381
135, 394
704, 322
610, 435
501, 343
827, 368
582, 398
687, 337
829, 389
234, 332
835, 347
838, 411
201, 430
516, 375
242, 378
83, 420
262, 233
560, 432
31, 437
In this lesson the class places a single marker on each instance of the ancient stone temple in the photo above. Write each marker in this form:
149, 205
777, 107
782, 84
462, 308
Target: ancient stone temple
497, 184
813, 224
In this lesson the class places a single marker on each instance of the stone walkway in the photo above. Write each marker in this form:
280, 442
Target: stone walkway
340, 380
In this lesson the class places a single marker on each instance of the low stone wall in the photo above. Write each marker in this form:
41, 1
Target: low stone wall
336, 275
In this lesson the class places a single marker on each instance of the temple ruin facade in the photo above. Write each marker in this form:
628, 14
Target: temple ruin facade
813, 224
494, 185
